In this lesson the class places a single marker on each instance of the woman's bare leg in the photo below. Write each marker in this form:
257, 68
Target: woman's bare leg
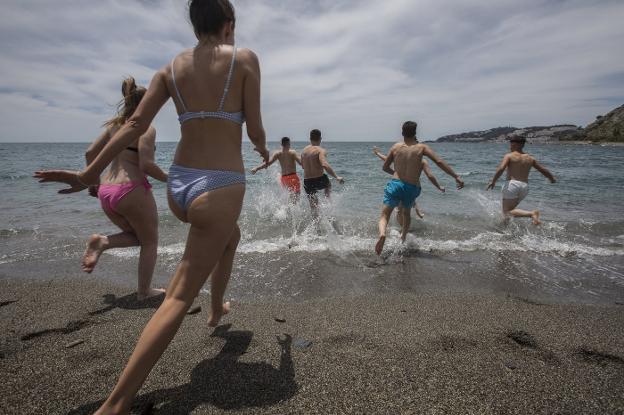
213, 217
219, 279
139, 209
100, 243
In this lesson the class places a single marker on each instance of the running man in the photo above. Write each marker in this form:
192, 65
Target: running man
288, 160
403, 189
518, 165
428, 173
315, 164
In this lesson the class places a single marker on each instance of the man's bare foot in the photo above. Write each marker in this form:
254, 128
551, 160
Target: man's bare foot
95, 247
420, 214
535, 216
153, 292
215, 316
380, 245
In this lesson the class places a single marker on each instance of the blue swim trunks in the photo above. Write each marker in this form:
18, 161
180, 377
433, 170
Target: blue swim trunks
398, 192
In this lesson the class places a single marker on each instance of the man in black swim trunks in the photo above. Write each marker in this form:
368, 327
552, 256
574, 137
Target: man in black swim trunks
315, 164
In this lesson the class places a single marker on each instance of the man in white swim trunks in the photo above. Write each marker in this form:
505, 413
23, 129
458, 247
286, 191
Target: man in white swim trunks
518, 165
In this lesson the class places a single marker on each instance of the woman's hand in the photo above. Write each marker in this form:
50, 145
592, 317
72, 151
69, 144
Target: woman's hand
68, 177
264, 153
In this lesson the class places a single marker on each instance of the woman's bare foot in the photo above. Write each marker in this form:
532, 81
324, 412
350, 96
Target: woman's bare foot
535, 216
153, 292
380, 245
215, 315
95, 247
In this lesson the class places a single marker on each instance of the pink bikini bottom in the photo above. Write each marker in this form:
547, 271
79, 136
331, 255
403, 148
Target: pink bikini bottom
111, 194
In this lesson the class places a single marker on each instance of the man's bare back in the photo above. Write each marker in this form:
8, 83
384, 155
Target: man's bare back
287, 161
408, 162
311, 161
519, 166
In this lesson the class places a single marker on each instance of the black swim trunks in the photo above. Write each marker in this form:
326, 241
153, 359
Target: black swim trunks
315, 184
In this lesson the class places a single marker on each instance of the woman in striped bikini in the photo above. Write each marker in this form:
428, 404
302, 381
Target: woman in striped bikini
212, 86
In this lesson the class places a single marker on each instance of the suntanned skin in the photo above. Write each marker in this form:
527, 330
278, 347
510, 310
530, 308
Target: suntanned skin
210, 144
407, 158
428, 172
518, 165
288, 160
136, 215
315, 164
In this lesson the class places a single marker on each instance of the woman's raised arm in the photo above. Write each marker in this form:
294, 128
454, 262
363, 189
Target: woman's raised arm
156, 96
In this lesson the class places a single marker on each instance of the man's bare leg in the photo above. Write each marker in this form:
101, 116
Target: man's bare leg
418, 211
386, 211
509, 208
405, 222
313, 199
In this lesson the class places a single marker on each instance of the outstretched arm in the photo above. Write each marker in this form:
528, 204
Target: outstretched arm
96, 147
544, 171
265, 164
92, 152
379, 154
251, 103
443, 165
147, 148
328, 168
298, 159
388, 162
431, 177
501, 168
155, 97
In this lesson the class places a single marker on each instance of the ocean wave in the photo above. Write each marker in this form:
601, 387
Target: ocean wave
341, 245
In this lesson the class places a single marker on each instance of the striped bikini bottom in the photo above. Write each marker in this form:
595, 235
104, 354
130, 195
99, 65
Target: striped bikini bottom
185, 184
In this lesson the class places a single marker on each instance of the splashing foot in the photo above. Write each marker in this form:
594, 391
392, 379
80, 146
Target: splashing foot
95, 247
215, 315
535, 216
380, 245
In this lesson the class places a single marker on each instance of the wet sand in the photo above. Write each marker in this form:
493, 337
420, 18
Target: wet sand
435, 354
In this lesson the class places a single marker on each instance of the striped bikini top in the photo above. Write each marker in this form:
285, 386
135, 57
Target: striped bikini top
237, 117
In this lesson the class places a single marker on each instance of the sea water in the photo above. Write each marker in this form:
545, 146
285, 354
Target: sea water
461, 245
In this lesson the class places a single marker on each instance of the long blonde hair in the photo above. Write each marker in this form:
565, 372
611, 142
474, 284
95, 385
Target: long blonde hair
132, 96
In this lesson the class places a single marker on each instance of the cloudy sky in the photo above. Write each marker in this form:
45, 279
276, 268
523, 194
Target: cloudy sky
355, 69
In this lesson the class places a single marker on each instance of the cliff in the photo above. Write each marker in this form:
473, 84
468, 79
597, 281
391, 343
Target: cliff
608, 128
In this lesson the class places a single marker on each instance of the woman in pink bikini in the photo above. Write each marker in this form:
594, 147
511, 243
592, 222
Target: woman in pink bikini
126, 196
215, 88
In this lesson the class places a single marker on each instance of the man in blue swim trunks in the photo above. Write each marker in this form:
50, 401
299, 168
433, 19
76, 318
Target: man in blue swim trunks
404, 187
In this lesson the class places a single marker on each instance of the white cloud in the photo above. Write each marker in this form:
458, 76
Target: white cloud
355, 69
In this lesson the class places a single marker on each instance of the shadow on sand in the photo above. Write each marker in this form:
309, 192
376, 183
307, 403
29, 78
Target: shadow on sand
128, 302
223, 381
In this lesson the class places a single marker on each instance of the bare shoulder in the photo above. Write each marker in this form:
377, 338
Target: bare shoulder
247, 58
395, 146
422, 148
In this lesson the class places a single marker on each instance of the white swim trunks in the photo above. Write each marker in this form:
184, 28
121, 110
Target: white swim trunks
515, 189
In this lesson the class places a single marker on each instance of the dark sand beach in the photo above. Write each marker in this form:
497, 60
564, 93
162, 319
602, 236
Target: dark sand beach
433, 354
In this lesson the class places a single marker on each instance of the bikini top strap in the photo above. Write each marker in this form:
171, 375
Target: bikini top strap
229, 79
176, 86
